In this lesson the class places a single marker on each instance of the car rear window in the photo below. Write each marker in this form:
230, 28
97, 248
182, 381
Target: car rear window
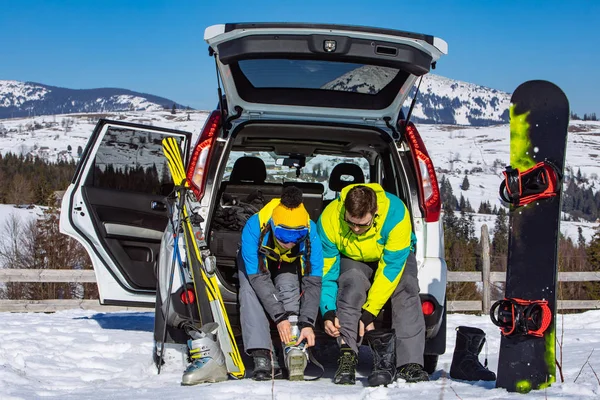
317, 74
317, 169
317, 83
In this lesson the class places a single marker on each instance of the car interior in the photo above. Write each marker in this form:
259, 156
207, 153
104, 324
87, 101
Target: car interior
250, 179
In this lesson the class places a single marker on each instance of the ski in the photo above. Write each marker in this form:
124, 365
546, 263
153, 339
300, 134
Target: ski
205, 281
539, 117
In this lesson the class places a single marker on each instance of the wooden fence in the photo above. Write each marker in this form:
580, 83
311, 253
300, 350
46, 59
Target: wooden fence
83, 276
486, 277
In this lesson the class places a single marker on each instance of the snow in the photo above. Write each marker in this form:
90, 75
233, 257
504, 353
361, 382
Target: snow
15, 93
80, 354
482, 151
467, 99
21, 212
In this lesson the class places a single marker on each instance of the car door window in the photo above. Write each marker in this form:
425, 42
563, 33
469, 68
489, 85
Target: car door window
128, 160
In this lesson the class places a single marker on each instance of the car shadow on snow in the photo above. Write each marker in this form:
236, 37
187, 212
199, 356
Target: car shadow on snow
127, 321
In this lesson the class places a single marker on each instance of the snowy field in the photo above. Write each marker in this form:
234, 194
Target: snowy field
481, 151
89, 355
14, 217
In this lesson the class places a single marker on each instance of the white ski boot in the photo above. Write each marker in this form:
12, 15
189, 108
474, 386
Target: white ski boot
295, 356
208, 360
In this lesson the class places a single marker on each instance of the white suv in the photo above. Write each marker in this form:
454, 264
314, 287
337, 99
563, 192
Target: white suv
316, 106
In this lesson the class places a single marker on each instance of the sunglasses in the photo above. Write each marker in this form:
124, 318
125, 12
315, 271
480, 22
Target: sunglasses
289, 235
355, 225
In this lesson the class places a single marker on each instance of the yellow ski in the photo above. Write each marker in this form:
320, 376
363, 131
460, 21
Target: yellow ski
235, 366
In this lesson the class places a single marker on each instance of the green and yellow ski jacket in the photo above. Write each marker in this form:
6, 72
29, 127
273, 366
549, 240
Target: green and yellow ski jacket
389, 242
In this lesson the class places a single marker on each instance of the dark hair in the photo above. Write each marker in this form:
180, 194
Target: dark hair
360, 201
291, 197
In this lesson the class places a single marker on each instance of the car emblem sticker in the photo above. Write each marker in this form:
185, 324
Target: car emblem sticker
329, 46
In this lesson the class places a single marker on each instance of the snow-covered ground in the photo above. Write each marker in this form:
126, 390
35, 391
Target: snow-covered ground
88, 355
14, 217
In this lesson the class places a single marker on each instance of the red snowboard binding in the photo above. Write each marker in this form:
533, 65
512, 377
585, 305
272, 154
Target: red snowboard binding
538, 182
521, 317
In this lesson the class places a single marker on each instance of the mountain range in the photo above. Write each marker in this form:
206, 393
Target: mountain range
27, 99
440, 100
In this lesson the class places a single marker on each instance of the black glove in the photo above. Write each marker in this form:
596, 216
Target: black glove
367, 317
329, 316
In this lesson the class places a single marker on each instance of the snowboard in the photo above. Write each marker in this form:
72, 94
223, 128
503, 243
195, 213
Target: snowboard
539, 117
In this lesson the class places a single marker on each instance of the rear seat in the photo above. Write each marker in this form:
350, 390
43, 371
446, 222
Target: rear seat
247, 177
347, 171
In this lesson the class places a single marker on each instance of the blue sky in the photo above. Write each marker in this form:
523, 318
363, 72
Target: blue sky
157, 47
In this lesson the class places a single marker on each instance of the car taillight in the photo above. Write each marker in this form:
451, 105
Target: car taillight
196, 173
428, 185
428, 308
188, 297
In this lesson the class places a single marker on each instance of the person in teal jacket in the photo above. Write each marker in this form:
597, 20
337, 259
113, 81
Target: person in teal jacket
280, 265
368, 250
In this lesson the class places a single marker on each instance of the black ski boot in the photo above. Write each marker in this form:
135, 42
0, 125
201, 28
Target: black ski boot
264, 369
465, 360
383, 346
346, 372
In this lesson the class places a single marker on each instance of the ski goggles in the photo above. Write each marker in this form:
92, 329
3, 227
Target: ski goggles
290, 235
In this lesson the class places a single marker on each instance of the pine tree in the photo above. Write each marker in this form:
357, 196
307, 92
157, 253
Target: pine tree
499, 248
465, 183
485, 208
462, 204
448, 198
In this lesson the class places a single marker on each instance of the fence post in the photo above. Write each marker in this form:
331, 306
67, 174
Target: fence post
485, 268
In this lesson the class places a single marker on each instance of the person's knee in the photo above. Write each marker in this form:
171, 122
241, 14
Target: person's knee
352, 277
409, 285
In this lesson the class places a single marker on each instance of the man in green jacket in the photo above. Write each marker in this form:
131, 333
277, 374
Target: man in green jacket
368, 247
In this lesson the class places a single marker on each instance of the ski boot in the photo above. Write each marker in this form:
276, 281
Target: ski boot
383, 346
346, 372
265, 369
295, 356
296, 359
465, 360
207, 358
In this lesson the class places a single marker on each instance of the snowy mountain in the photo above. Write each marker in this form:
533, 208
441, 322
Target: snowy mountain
447, 101
21, 99
440, 100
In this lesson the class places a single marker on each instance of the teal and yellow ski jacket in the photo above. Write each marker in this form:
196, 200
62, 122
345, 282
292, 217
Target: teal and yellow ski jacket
261, 281
389, 242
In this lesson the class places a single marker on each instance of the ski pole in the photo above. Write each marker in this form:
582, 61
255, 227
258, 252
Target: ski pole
171, 276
